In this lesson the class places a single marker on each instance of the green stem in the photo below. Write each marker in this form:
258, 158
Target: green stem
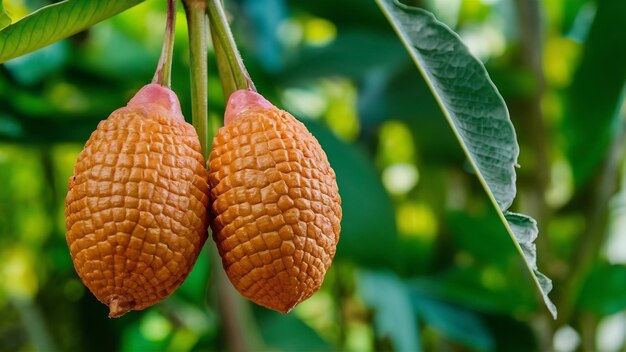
230, 65
224, 70
163, 74
197, 26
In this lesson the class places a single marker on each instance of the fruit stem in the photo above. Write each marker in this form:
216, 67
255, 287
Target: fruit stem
224, 71
197, 25
233, 72
163, 74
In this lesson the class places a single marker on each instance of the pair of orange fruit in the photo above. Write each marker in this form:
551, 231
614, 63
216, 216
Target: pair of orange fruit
141, 199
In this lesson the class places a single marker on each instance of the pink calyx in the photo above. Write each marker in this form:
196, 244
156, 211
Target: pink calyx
241, 101
152, 94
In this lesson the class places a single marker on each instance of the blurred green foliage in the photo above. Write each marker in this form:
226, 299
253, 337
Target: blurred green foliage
423, 261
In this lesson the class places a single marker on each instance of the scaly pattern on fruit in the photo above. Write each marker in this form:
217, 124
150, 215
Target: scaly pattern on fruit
136, 208
275, 205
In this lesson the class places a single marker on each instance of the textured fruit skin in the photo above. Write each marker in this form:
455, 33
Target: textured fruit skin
275, 205
136, 207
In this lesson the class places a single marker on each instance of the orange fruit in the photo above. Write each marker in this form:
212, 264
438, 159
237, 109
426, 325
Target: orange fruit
136, 207
275, 205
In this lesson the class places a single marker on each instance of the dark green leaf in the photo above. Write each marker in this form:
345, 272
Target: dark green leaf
129, 60
462, 227
484, 288
343, 13
388, 296
134, 339
266, 17
476, 112
194, 286
55, 22
31, 68
288, 333
595, 93
512, 334
603, 291
575, 12
10, 127
457, 324
353, 53
368, 226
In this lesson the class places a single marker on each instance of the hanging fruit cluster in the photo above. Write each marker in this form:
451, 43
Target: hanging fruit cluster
141, 199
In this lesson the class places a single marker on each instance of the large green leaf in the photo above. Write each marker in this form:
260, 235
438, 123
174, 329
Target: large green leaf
55, 22
477, 114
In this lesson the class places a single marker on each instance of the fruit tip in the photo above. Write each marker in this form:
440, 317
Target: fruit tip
241, 101
118, 306
285, 308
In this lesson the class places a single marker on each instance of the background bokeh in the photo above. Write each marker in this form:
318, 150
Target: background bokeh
423, 261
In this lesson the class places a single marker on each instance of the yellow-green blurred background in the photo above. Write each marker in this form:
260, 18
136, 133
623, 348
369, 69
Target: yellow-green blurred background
424, 262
